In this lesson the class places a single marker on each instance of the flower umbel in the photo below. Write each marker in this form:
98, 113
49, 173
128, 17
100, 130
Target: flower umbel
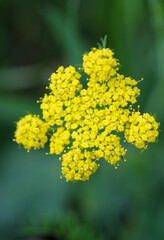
83, 123
31, 132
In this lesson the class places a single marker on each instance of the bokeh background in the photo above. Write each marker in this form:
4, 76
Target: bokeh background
36, 37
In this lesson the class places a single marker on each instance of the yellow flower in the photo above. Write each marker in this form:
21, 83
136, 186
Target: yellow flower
31, 132
77, 165
141, 129
83, 123
100, 64
59, 140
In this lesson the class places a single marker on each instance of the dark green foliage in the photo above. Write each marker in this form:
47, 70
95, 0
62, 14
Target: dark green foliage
67, 226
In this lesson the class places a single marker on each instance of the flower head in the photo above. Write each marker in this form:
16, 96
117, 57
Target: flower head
31, 132
84, 123
100, 64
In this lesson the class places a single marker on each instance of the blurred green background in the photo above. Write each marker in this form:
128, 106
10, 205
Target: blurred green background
35, 38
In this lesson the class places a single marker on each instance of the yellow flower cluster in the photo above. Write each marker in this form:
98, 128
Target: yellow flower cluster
64, 85
59, 140
31, 132
141, 129
100, 64
83, 123
78, 165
